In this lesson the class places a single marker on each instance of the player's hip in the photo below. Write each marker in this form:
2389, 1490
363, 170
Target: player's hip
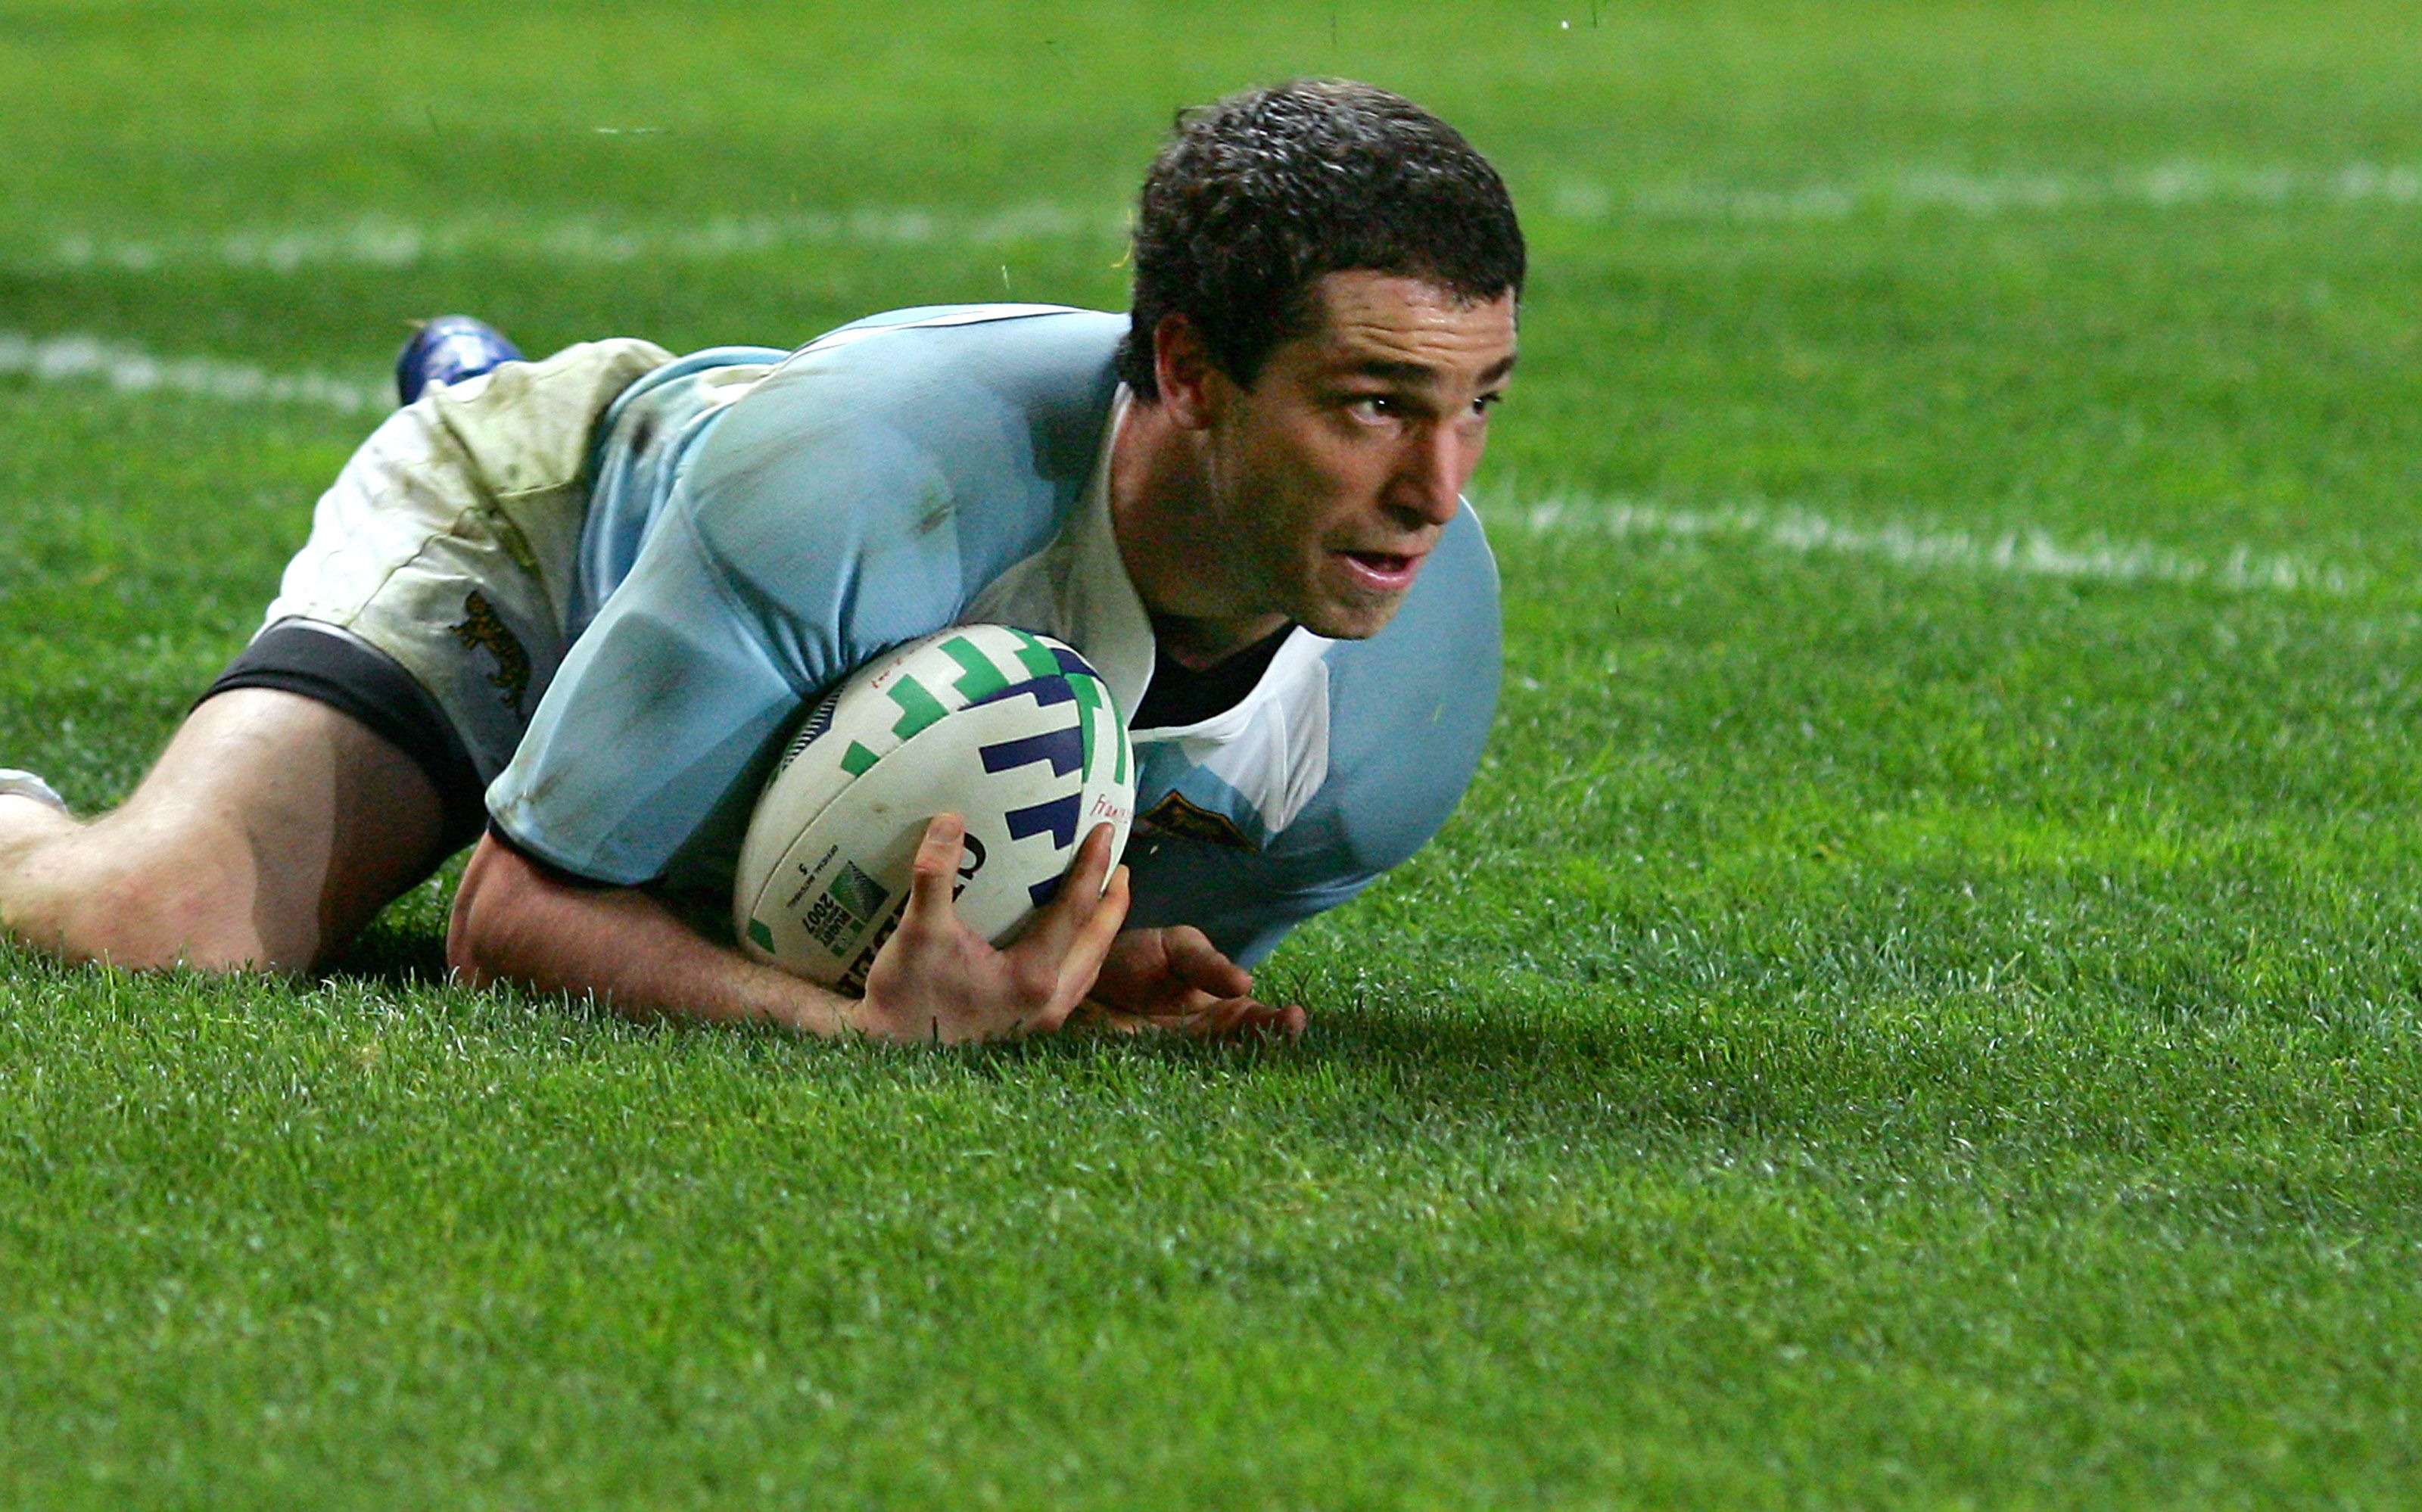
448, 544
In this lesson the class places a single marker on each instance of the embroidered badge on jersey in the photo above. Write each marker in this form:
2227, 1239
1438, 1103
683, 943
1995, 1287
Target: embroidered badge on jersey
1177, 816
483, 626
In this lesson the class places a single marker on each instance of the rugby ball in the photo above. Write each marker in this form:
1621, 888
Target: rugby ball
1013, 732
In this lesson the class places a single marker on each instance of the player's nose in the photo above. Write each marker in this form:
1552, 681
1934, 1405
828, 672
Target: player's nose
1430, 475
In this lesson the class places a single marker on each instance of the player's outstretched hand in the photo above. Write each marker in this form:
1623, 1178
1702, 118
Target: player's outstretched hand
938, 980
1176, 981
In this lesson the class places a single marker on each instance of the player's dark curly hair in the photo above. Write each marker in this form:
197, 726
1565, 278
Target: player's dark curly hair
1259, 195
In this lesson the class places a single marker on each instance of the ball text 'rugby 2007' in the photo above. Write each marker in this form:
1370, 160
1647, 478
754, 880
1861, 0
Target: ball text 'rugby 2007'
1015, 732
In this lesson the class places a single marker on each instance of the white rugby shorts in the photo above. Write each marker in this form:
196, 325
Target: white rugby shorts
448, 541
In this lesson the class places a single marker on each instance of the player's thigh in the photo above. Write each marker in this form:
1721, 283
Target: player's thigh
306, 782
269, 832
316, 782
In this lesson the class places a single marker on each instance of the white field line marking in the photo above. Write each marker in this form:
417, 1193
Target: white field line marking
2158, 186
2025, 552
380, 242
129, 368
386, 242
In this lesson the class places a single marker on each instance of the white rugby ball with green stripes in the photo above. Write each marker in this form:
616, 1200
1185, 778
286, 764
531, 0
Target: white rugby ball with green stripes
1013, 732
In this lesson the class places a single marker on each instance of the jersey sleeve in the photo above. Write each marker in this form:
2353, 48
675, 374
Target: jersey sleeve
783, 558
661, 714
853, 501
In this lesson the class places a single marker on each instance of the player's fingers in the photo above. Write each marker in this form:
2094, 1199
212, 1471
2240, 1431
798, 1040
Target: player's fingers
1081, 894
1198, 962
1091, 871
935, 873
1246, 1019
1178, 1016
1082, 961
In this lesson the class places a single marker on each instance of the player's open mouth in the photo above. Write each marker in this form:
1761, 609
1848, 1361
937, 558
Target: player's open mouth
1385, 571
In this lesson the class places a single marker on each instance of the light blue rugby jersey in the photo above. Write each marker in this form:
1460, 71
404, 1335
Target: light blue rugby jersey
763, 524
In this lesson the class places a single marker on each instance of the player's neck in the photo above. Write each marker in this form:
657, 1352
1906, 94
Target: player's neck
1165, 521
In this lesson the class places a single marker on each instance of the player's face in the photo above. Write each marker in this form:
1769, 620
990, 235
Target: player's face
1345, 459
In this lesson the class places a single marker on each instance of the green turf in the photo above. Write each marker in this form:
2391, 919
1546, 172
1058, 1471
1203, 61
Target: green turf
1923, 1003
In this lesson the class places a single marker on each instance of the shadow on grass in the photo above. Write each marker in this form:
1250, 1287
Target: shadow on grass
404, 957
2240, 1128
1636, 1063
1363, 1065
1583, 1064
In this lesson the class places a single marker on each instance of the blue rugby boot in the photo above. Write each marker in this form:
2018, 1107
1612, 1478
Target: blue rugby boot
448, 350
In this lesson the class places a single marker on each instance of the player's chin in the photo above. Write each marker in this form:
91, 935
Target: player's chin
1351, 603
1348, 621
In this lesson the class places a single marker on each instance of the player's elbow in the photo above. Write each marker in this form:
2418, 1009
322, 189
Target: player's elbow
478, 932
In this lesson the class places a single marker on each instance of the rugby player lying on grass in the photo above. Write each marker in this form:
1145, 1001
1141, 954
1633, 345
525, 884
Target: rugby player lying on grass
579, 604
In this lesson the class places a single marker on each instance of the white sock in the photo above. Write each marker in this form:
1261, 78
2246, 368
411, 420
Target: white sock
15, 783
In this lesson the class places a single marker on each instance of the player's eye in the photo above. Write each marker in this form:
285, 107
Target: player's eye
1374, 407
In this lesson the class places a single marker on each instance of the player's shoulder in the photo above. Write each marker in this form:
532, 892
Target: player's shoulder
943, 327
941, 353
1410, 709
969, 401
1444, 638
916, 452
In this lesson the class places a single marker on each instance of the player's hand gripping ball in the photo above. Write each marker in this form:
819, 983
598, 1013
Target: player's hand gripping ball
1015, 732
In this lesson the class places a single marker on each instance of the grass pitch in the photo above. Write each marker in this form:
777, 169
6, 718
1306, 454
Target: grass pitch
1919, 1009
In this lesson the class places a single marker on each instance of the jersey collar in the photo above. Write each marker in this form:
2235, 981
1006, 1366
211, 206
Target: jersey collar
1077, 587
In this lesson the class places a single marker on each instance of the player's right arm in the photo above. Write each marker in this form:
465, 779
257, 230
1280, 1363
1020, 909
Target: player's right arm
935, 979
830, 513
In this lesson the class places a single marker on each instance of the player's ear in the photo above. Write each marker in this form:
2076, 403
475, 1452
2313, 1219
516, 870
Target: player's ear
1183, 368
